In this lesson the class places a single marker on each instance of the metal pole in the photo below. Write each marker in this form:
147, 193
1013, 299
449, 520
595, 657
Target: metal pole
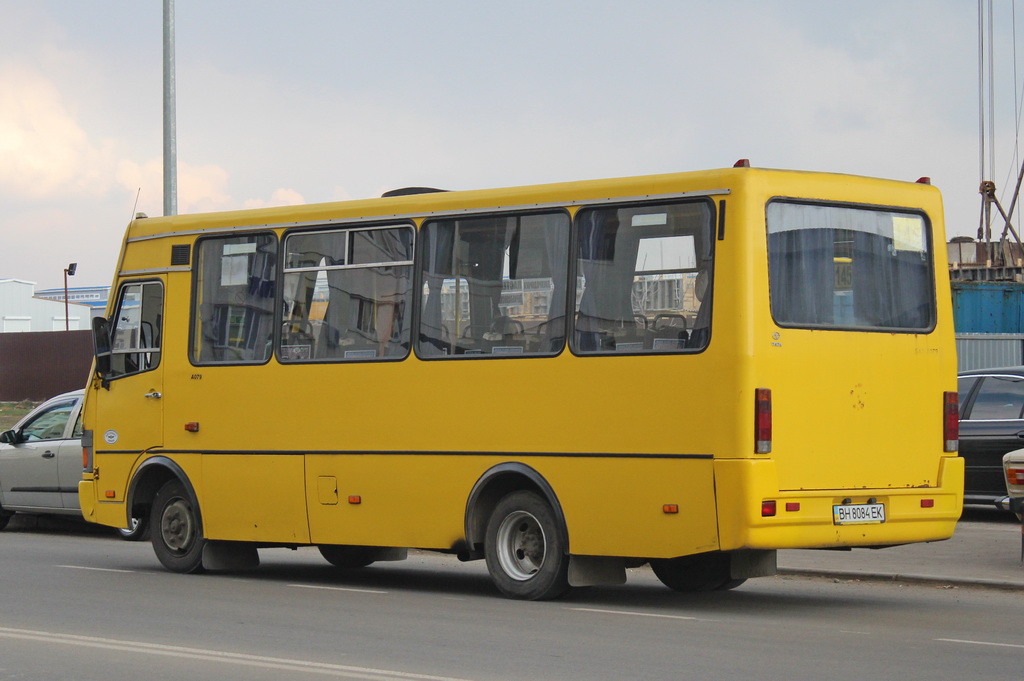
170, 133
67, 323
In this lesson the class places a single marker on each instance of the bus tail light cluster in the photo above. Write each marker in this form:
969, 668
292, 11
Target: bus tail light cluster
951, 421
763, 421
87, 451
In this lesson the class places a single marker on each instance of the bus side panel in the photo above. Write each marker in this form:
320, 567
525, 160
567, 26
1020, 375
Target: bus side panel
612, 506
390, 499
617, 506
238, 503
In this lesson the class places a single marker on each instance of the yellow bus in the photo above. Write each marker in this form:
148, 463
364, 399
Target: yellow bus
693, 370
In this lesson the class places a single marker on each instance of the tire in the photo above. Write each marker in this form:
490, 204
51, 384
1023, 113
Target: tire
701, 572
346, 557
137, 530
524, 548
177, 535
5, 518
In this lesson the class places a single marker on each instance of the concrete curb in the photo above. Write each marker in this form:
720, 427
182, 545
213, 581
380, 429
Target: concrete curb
916, 578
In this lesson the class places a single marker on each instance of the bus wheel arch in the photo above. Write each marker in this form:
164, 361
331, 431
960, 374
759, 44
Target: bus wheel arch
161, 494
514, 519
496, 483
153, 474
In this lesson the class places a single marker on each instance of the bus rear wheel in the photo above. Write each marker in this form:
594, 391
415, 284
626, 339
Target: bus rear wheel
346, 557
523, 548
701, 572
176, 533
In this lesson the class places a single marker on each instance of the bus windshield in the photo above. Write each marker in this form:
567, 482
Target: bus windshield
842, 267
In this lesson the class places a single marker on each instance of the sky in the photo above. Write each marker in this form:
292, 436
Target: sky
321, 100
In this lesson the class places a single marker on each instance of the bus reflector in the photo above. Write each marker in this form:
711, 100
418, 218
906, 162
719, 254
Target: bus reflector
110, 494
763, 421
767, 509
670, 508
927, 503
192, 426
951, 421
792, 506
355, 499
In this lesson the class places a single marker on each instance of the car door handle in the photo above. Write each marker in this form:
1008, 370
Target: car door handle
156, 396
48, 454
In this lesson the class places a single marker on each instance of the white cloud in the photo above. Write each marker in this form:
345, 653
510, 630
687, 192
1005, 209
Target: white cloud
280, 197
43, 150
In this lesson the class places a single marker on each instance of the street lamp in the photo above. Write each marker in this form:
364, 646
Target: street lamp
69, 271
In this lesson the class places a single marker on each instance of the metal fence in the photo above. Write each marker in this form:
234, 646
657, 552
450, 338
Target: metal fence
39, 365
989, 350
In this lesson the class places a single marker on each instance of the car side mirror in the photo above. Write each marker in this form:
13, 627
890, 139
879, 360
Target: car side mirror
10, 437
101, 345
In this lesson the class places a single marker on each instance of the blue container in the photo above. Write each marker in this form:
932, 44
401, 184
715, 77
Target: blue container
988, 306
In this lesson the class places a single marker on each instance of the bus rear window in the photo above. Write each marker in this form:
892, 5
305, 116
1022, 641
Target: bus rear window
842, 267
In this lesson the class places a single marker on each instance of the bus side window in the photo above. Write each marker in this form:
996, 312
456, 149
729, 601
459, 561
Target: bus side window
347, 294
642, 278
232, 316
494, 286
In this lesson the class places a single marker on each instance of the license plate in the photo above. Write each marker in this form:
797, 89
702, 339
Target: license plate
852, 514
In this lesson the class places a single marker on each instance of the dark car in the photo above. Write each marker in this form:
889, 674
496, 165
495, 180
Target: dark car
991, 424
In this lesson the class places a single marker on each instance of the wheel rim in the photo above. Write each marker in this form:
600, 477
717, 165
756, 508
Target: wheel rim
176, 525
521, 545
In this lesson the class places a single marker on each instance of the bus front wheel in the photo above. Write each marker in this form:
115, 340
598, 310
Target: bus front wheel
177, 536
523, 549
701, 572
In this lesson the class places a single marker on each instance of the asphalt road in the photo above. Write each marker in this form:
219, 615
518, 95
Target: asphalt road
78, 603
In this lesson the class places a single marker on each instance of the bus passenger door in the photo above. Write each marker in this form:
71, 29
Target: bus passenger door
129, 418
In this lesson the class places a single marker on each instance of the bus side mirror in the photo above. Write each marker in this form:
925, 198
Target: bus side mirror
101, 345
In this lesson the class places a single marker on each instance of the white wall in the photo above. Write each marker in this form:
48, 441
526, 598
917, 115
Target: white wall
20, 311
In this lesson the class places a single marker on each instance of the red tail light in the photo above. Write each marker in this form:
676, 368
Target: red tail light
951, 421
762, 421
1015, 475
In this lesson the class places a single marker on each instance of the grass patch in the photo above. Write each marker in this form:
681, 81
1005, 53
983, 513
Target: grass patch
12, 412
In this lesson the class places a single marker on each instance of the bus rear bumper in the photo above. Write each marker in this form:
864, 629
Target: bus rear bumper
87, 499
804, 519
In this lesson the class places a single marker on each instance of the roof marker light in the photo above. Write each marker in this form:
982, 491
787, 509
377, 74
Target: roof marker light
742, 163
924, 180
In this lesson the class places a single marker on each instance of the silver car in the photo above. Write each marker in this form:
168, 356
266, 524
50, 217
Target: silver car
1013, 471
41, 462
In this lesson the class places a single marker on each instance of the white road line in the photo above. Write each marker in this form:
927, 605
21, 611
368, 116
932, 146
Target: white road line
83, 567
263, 662
981, 643
336, 588
634, 614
